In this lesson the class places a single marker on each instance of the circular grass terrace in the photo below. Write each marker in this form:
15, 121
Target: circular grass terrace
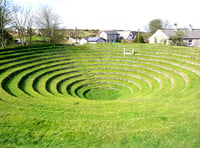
94, 95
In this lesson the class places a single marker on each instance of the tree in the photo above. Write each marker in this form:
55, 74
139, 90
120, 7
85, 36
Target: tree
22, 22
29, 28
48, 22
4, 21
166, 24
154, 25
178, 38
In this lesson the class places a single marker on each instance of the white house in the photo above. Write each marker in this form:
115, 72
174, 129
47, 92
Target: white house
116, 35
191, 38
72, 40
110, 36
159, 37
92, 40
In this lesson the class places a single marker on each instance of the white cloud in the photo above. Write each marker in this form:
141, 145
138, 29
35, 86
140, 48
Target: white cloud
117, 14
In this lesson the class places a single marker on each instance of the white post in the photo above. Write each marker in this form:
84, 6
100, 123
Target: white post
124, 51
133, 51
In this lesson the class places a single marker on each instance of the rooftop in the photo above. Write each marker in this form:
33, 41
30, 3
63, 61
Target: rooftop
189, 33
92, 39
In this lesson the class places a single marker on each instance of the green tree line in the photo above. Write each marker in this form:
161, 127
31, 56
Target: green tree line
23, 21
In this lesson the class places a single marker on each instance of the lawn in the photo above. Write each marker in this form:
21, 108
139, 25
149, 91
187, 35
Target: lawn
94, 96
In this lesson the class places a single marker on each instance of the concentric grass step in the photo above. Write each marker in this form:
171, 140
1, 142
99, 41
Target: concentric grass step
85, 71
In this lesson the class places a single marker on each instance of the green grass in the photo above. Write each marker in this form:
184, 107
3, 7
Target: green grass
102, 94
94, 96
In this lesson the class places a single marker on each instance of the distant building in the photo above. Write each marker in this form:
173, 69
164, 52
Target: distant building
74, 41
92, 40
20, 41
191, 38
126, 35
116, 35
37, 32
110, 36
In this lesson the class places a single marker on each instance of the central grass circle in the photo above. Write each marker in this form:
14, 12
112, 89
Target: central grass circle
102, 94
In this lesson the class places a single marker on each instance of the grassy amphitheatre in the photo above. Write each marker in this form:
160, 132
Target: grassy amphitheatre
94, 96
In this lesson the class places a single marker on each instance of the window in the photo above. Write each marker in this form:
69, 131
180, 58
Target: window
189, 42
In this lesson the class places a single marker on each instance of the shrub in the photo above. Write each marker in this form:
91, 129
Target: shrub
141, 39
155, 40
123, 41
178, 38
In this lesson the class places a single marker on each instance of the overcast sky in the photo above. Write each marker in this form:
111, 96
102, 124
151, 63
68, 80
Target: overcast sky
120, 14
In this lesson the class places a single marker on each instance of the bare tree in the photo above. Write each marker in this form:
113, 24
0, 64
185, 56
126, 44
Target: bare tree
166, 24
22, 22
47, 21
29, 28
4, 19
56, 21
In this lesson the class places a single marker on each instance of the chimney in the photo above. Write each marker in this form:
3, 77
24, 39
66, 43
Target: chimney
175, 27
190, 27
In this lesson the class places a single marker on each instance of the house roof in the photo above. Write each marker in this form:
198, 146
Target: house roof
108, 32
93, 39
189, 34
111, 32
126, 34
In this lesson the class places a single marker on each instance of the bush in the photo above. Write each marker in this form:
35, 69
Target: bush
178, 38
123, 41
131, 41
141, 39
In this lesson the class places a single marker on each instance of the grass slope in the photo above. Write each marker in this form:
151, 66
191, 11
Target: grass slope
94, 96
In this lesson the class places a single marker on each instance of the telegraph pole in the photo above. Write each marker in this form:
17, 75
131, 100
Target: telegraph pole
138, 35
2, 32
76, 33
